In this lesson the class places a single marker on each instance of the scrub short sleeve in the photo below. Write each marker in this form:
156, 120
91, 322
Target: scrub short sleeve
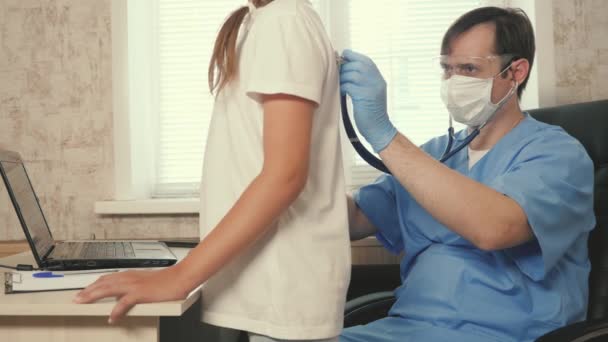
553, 183
287, 59
379, 203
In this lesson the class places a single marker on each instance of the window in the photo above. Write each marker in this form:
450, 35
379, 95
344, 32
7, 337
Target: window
163, 106
186, 31
401, 41
402, 37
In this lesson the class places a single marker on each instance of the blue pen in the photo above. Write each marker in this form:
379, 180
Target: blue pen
51, 274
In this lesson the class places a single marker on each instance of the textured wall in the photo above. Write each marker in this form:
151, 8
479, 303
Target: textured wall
56, 109
56, 105
581, 50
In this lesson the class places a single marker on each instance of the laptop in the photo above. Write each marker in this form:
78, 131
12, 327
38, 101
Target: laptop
71, 255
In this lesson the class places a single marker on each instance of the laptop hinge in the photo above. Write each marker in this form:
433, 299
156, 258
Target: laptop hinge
48, 253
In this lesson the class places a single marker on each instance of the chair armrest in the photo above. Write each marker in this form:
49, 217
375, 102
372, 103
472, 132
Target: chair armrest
368, 308
578, 332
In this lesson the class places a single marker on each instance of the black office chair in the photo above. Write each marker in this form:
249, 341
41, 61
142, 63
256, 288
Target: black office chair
587, 122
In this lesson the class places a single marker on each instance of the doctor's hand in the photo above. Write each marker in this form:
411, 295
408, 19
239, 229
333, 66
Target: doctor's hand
362, 81
134, 287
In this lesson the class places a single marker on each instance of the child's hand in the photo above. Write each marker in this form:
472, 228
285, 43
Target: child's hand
134, 287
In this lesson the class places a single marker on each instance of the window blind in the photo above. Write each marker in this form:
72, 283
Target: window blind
186, 31
401, 36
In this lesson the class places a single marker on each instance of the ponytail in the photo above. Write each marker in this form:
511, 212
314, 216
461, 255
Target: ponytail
223, 65
223, 59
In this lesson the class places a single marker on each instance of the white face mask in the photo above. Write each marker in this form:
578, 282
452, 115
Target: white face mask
469, 99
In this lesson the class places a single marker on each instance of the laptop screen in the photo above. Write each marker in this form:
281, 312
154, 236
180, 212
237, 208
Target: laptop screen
25, 201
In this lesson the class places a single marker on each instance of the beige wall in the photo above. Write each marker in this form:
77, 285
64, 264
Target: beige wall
581, 45
56, 109
56, 105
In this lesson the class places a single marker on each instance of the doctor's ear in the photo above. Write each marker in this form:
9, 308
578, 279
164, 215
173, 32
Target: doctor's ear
520, 69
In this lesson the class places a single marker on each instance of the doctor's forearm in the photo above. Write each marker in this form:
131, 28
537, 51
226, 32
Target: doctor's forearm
251, 216
485, 217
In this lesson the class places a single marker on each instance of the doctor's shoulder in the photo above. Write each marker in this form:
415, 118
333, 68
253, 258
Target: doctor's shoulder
553, 143
436, 145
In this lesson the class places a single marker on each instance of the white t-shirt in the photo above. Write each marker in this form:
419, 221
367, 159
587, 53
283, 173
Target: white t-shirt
475, 156
291, 284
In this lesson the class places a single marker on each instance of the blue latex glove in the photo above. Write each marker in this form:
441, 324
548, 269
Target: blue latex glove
362, 81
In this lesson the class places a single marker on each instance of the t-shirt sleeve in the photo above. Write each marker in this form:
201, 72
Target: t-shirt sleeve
553, 183
287, 58
378, 202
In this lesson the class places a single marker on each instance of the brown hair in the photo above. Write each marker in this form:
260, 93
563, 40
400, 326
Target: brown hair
223, 65
514, 34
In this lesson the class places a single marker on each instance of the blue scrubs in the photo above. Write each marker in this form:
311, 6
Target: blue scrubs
453, 291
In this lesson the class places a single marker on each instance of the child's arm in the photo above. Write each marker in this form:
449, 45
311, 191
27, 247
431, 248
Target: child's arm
287, 135
359, 225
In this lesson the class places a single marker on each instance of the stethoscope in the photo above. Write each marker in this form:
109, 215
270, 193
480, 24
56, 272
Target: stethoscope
374, 161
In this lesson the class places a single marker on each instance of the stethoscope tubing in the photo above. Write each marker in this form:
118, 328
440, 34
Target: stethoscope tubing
357, 145
375, 162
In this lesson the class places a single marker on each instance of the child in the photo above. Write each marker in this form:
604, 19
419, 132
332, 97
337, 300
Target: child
275, 253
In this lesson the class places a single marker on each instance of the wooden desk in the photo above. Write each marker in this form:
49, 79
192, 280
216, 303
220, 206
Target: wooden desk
364, 252
8, 248
51, 316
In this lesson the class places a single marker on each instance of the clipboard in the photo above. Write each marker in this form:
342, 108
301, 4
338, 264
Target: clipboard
31, 281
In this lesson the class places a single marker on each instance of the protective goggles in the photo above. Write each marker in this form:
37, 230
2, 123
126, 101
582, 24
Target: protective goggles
471, 66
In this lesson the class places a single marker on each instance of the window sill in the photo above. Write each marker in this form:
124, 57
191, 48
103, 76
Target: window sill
150, 207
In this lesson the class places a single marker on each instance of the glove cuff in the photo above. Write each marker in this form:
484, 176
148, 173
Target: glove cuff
386, 139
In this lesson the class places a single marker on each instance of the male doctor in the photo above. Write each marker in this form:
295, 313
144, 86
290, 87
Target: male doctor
495, 238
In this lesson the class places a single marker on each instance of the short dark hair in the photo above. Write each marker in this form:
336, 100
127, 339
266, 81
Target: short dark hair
514, 33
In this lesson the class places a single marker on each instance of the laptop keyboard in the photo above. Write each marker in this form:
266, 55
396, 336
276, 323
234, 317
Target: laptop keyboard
92, 250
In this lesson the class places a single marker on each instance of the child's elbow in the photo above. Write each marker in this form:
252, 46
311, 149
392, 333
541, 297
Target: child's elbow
295, 182
291, 182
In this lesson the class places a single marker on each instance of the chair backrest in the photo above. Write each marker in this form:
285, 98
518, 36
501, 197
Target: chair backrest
588, 122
